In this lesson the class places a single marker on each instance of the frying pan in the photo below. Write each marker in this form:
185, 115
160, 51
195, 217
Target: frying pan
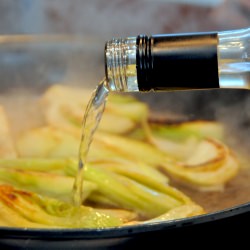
28, 65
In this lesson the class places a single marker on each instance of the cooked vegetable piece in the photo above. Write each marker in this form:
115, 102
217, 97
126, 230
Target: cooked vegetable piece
129, 149
174, 213
129, 194
183, 130
52, 185
206, 172
49, 142
138, 171
122, 114
26, 209
48, 165
7, 148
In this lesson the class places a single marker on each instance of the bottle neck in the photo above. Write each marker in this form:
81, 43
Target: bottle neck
120, 64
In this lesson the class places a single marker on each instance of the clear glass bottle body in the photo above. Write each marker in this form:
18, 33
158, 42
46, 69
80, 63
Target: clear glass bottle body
234, 58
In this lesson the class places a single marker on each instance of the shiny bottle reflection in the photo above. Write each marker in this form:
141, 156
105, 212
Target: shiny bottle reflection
234, 58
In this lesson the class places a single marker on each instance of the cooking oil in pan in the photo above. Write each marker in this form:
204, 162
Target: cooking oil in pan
91, 120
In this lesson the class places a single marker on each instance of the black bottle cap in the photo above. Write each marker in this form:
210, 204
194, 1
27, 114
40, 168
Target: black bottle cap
182, 61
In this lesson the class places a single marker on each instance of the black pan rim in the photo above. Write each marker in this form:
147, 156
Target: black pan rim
124, 231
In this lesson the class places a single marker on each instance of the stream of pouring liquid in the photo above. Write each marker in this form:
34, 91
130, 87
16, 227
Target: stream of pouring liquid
91, 120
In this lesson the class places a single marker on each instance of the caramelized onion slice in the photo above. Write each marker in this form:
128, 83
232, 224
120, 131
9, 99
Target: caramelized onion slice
27, 209
209, 168
64, 107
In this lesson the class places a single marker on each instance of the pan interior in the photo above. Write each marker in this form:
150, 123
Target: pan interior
231, 107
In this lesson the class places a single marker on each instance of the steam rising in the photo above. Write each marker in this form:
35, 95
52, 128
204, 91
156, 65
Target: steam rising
231, 107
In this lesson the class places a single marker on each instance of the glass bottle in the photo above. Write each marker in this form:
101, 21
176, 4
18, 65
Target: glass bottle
179, 61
